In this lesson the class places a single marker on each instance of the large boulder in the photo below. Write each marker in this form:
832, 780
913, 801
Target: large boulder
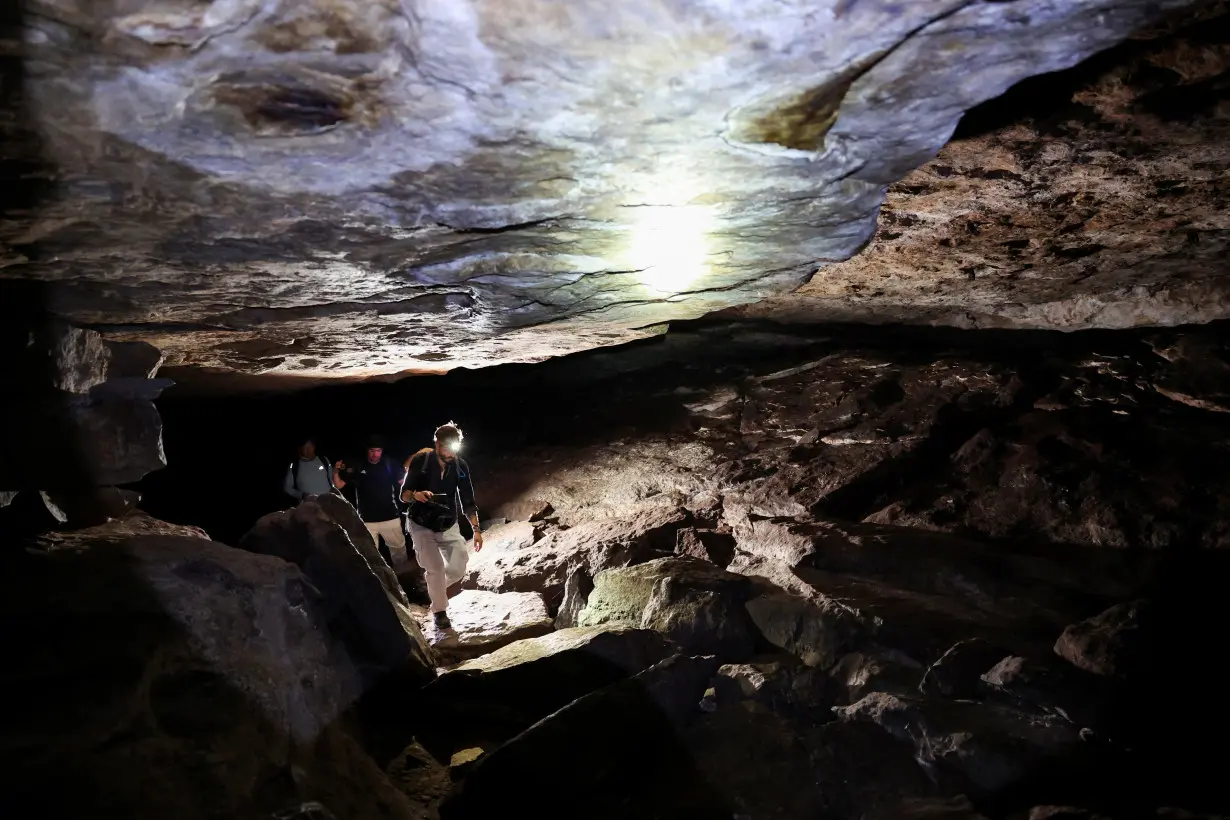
918, 592
977, 748
778, 683
860, 770
616, 751
495, 696
76, 360
366, 607
875, 669
347, 517
597, 545
68, 441
757, 762
153, 673
485, 621
816, 629
79, 412
1049, 684
697, 605
1110, 643
958, 672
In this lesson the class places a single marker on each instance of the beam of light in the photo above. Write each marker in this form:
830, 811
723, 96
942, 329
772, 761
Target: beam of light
669, 245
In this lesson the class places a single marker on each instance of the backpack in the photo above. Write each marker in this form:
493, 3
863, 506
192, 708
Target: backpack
294, 469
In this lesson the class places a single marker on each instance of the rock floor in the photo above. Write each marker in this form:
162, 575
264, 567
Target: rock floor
825, 581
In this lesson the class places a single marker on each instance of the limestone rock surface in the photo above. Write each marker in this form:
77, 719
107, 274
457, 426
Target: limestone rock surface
322, 188
366, 607
156, 673
484, 621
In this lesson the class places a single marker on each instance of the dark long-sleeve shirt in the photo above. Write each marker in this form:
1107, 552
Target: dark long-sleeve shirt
376, 489
452, 486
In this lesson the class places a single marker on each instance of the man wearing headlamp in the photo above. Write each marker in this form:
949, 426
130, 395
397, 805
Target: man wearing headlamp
438, 488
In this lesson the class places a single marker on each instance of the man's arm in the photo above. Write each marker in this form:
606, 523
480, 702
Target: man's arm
288, 484
337, 474
465, 487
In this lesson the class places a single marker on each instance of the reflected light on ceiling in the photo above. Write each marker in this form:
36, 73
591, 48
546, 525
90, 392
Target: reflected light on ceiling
669, 245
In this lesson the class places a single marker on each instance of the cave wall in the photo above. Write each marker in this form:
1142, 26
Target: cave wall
1094, 438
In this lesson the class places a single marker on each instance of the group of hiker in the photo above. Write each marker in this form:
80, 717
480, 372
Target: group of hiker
425, 496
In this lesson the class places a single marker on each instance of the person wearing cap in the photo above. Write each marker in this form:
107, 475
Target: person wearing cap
377, 483
439, 490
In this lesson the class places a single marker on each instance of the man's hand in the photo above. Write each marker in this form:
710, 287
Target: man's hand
478, 541
423, 496
339, 465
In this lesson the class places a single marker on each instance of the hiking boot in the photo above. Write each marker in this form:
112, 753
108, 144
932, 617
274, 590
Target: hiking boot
442, 621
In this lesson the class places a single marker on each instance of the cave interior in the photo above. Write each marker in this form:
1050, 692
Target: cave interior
845, 388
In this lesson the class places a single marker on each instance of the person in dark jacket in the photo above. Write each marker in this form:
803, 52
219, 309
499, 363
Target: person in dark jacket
439, 490
377, 483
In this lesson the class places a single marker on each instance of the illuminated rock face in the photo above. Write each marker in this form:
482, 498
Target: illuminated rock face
343, 188
1095, 198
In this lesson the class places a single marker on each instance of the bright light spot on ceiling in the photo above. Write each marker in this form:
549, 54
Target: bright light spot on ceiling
669, 244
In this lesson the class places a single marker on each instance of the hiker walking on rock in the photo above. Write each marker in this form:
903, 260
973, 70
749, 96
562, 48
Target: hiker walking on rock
376, 484
438, 483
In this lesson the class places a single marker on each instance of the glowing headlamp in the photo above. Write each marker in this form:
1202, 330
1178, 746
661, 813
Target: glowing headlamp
453, 446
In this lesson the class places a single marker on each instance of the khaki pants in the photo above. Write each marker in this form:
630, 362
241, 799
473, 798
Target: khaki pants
443, 557
393, 537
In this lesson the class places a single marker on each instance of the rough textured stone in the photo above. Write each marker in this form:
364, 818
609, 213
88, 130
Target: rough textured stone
958, 672
67, 441
707, 545
493, 697
162, 674
917, 592
1094, 197
370, 188
576, 594
1048, 684
77, 414
817, 630
1109, 643
484, 621
117, 532
1017, 436
862, 770
366, 610
596, 545
695, 604
986, 747
421, 778
632, 726
89, 508
511, 536
779, 683
876, 670
757, 762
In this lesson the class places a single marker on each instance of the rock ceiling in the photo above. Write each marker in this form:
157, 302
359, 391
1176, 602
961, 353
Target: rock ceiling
341, 188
